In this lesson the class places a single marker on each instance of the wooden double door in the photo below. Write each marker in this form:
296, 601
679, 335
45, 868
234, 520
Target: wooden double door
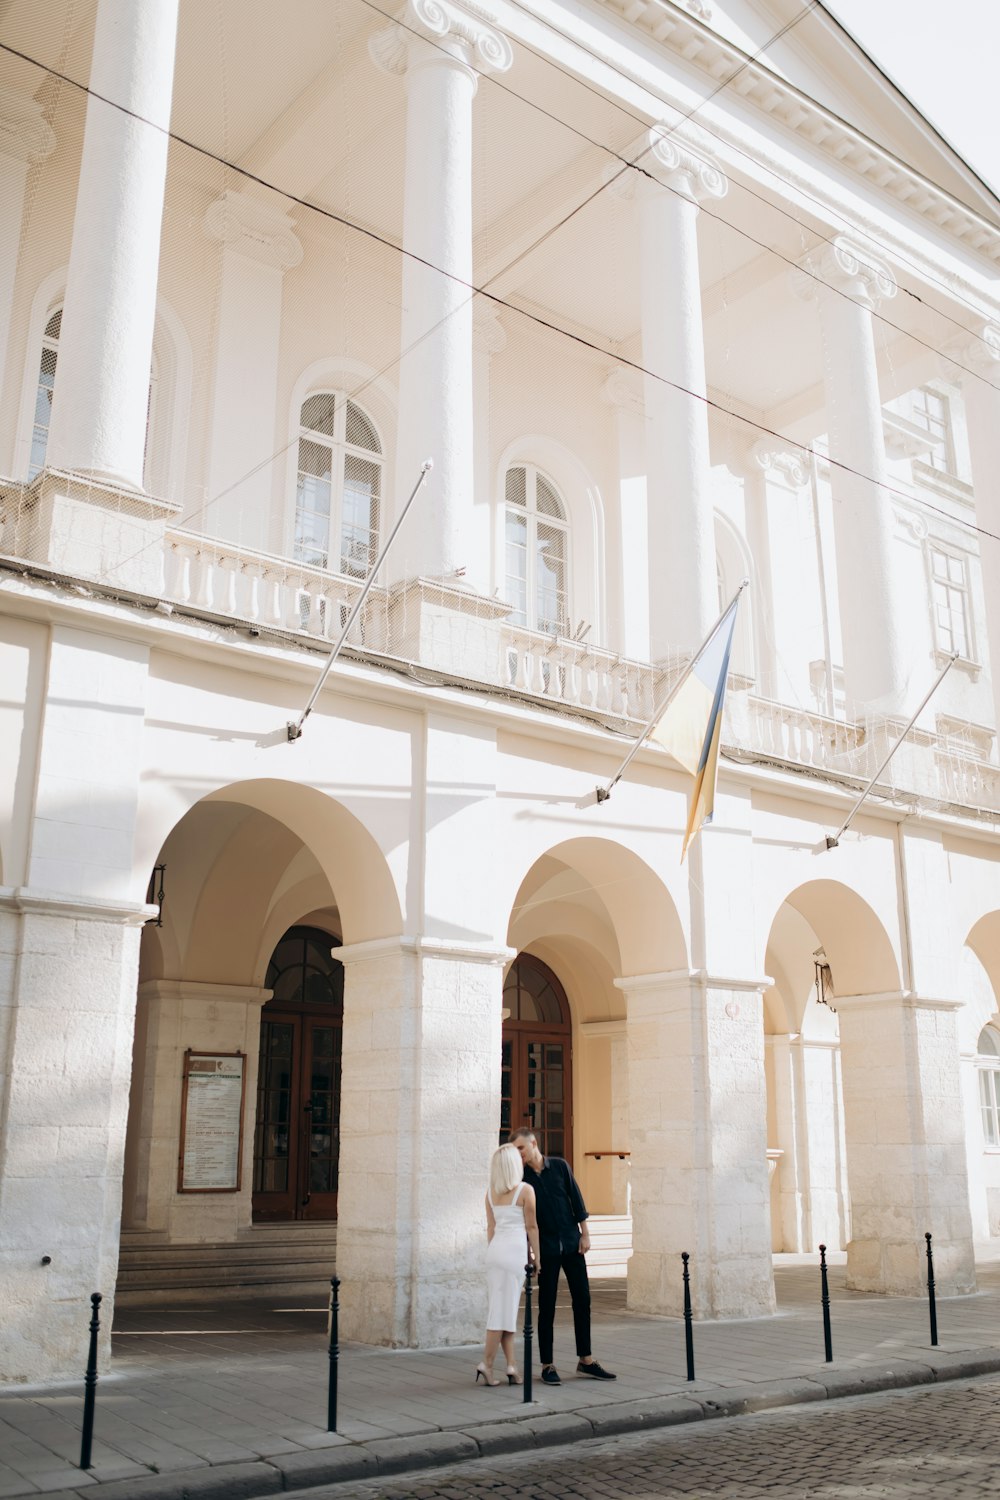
297, 1138
536, 1060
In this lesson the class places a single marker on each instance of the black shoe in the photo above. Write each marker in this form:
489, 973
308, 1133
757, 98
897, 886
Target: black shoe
550, 1376
597, 1371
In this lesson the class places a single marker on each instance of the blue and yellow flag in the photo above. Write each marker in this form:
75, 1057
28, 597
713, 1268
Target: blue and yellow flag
691, 724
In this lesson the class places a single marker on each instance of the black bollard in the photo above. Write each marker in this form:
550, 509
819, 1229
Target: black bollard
825, 1299
931, 1297
529, 1271
90, 1385
688, 1317
334, 1353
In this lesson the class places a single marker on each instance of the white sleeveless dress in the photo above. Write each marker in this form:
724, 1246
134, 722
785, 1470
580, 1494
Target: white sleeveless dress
506, 1256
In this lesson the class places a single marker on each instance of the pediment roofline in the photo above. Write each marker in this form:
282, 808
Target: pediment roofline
701, 48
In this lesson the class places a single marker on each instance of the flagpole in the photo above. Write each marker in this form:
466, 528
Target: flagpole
294, 727
604, 792
834, 840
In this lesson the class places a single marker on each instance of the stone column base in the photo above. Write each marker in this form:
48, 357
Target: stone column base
90, 529
450, 628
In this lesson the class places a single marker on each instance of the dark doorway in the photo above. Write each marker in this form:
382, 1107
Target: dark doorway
536, 1070
297, 1138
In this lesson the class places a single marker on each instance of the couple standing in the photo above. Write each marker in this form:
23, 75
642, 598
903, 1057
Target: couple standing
535, 1195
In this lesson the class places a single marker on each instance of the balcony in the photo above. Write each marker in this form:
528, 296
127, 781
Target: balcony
469, 639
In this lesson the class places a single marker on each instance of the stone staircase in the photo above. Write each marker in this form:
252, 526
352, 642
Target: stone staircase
286, 1259
610, 1245
290, 1259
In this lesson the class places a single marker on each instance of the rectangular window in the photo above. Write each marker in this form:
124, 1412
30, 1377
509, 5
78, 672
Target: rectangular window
929, 410
950, 603
988, 1103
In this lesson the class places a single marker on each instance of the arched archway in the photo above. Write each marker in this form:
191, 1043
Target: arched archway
864, 1097
588, 915
244, 866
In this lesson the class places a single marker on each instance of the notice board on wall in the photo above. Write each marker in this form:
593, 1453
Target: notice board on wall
211, 1145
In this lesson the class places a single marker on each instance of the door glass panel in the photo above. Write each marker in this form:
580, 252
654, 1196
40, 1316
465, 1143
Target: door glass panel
270, 1168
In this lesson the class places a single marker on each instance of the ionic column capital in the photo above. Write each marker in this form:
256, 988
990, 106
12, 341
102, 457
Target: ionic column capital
846, 267
623, 389
457, 34
665, 159
978, 350
255, 229
784, 462
488, 333
25, 134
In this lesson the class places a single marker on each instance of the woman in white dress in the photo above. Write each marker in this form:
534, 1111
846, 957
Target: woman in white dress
510, 1227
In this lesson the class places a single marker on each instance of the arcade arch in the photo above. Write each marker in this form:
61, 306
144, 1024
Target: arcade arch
864, 1097
249, 869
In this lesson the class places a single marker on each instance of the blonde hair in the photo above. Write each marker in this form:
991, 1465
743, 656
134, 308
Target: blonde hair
506, 1170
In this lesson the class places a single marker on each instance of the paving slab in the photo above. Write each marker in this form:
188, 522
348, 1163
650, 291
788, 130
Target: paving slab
229, 1403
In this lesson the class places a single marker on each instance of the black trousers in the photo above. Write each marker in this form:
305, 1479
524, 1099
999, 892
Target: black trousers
573, 1264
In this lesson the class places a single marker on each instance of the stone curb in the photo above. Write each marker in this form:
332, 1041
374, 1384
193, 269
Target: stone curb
297, 1473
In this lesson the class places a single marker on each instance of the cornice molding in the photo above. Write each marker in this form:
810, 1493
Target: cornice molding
25, 134
254, 229
76, 908
469, 32
681, 33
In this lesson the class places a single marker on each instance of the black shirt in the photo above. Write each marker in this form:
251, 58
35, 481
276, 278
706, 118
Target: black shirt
559, 1205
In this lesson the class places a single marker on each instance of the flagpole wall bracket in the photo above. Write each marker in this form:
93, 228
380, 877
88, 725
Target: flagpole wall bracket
831, 842
603, 794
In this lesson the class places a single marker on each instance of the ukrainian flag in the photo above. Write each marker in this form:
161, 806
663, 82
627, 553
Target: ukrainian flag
690, 727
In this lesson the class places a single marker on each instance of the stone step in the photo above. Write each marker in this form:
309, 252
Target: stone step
288, 1258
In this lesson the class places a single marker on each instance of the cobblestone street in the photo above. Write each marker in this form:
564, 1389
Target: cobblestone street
899, 1444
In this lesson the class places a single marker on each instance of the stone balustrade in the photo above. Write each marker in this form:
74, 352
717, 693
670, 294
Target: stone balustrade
575, 673
262, 589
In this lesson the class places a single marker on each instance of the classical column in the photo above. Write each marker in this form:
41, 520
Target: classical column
849, 284
440, 49
905, 1144
683, 589
978, 373
775, 476
258, 247
698, 1137
419, 1116
623, 390
26, 139
106, 339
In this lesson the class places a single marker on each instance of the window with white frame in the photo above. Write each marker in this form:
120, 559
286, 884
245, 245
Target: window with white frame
42, 415
929, 409
537, 542
339, 486
950, 602
988, 1067
43, 394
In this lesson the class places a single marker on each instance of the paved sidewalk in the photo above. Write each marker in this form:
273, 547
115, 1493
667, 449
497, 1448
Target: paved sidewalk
231, 1401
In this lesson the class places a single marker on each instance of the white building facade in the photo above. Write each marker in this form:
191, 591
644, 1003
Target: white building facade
662, 319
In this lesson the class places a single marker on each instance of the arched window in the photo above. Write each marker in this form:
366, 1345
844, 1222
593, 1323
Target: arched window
43, 394
42, 417
339, 486
988, 1067
537, 538
535, 1087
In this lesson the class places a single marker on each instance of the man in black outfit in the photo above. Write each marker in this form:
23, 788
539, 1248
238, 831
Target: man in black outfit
564, 1241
